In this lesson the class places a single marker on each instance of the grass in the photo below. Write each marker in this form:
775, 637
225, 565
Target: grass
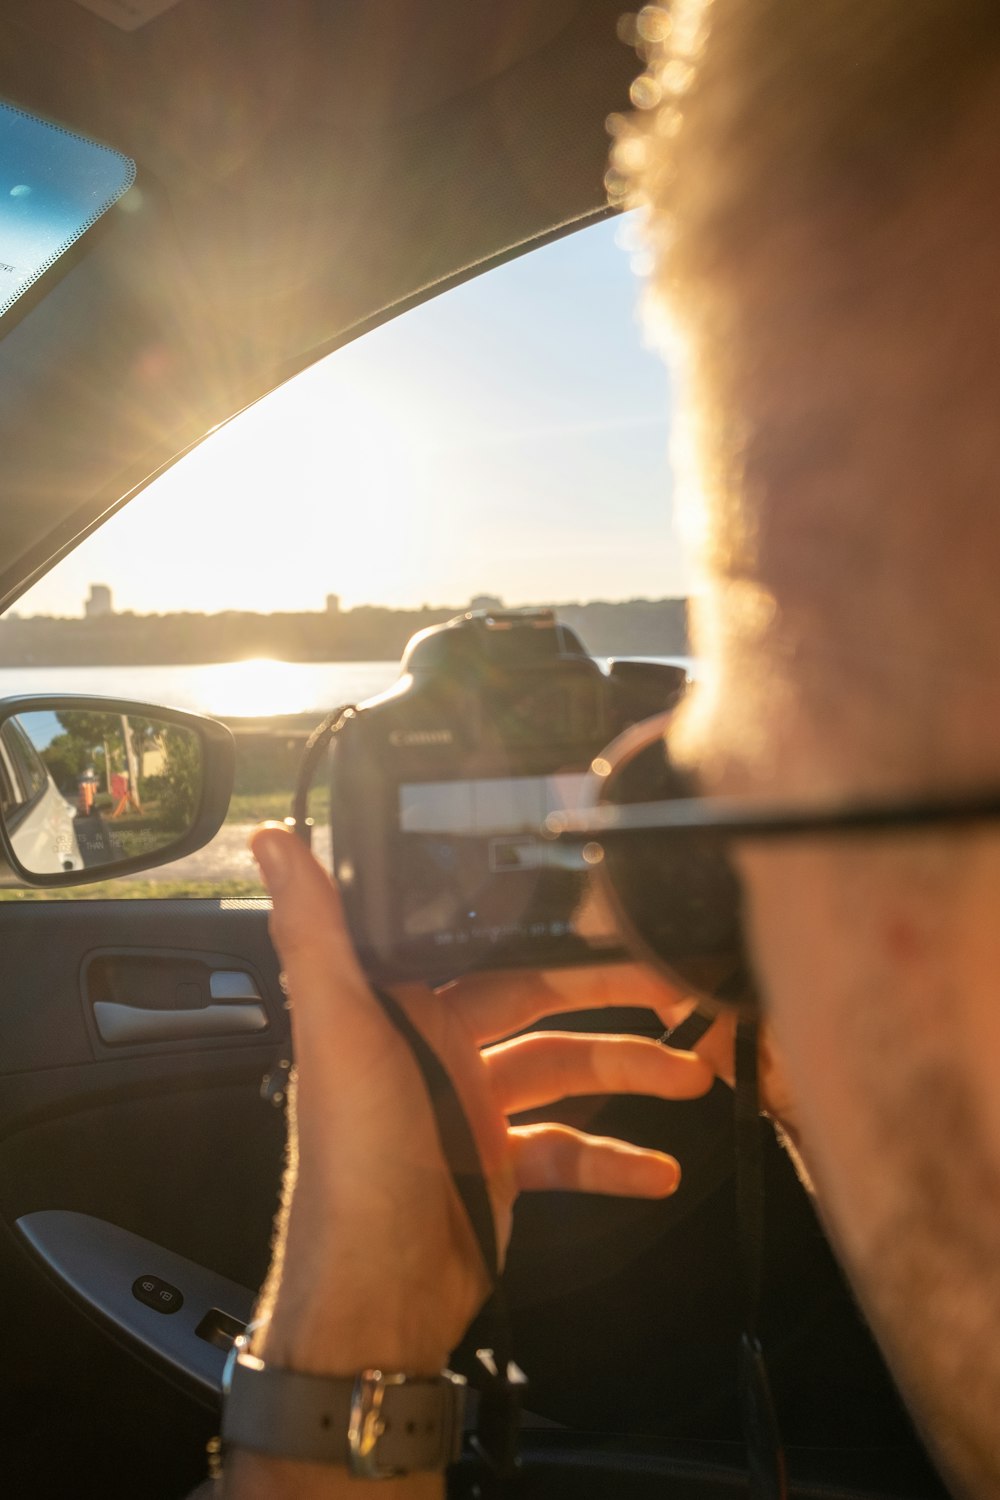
245, 807
144, 890
259, 807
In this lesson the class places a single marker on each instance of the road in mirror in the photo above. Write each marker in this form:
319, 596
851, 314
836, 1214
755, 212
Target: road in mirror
80, 788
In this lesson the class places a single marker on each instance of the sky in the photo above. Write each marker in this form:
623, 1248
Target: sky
507, 437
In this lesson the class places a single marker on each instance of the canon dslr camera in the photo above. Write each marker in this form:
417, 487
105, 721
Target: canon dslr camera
440, 788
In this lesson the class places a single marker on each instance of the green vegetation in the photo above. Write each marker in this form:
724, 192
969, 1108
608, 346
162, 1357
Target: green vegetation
369, 632
140, 890
180, 778
260, 807
140, 773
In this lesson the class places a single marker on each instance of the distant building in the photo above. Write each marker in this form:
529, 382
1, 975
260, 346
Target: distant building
99, 604
333, 604
486, 601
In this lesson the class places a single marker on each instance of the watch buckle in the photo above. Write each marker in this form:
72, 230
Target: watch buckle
367, 1425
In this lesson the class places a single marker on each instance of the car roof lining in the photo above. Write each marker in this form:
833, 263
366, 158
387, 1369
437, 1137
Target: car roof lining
213, 285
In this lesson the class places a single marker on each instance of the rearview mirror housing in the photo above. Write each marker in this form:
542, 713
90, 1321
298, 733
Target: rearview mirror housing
96, 787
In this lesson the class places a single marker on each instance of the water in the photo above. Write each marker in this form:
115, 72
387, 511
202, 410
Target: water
241, 689
230, 689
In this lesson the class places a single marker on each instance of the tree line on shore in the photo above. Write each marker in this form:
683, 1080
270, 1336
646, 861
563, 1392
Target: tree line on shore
636, 627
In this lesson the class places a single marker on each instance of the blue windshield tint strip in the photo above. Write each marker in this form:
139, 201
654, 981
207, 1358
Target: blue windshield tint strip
54, 186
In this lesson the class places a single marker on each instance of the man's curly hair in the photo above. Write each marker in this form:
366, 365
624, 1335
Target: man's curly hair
818, 182
752, 111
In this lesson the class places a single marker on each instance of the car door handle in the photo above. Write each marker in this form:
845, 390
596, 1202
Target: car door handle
119, 1024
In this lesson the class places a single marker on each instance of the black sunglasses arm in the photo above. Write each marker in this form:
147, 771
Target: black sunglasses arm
721, 816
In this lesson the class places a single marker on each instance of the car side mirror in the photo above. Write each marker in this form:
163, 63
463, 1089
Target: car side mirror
96, 787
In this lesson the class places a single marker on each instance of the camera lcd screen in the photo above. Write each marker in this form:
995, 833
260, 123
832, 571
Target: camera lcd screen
471, 865
495, 805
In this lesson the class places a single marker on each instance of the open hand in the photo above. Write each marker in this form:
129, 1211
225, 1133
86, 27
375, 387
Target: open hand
376, 1263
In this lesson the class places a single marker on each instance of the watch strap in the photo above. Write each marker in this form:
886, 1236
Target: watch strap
377, 1425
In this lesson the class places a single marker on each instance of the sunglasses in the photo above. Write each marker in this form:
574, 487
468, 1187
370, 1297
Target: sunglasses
661, 855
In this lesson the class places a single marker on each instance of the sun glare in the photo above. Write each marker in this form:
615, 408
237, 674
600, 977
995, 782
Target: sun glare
491, 441
260, 686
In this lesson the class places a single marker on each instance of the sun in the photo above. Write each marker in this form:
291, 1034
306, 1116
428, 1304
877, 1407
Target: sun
258, 687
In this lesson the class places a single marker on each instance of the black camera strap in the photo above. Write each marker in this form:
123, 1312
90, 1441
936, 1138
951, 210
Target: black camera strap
498, 1380
315, 747
765, 1457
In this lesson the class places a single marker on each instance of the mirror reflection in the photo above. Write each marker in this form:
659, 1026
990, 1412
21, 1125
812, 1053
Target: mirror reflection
80, 788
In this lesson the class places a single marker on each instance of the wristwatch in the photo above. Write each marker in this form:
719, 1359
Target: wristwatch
376, 1424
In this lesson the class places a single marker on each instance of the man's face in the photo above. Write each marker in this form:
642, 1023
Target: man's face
825, 245
876, 963
879, 956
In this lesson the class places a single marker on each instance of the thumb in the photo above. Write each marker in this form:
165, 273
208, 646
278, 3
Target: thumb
322, 975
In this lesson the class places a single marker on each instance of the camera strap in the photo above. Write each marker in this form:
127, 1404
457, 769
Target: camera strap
315, 747
765, 1457
498, 1380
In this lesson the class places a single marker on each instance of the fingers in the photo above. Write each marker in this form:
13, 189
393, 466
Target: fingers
496, 1005
306, 905
310, 936
557, 1158
546, 1066
329, 992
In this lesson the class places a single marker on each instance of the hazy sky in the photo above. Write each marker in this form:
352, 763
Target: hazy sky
508, 437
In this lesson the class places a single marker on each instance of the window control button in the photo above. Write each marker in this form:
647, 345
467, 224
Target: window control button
156, 1293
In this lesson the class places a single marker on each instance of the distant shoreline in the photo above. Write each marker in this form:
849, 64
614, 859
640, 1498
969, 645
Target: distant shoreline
637, 627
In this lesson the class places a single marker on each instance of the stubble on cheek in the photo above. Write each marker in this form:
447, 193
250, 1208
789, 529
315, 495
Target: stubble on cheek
866, 1013
928, 1260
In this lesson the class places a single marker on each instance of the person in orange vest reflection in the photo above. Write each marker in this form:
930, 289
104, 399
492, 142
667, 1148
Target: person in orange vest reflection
87, 791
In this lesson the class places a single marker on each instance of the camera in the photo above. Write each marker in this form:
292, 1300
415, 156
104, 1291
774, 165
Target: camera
440, 788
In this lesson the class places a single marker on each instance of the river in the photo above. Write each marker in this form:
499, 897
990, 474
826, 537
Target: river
231, 690
239, 689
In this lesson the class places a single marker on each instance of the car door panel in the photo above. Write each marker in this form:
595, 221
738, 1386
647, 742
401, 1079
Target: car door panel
165, 1137
168, 1139
177, 1313
159, 1143
160, 1159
